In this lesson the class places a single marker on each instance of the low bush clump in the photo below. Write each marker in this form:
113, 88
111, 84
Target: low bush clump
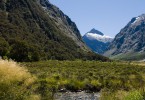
122, 95
134, 95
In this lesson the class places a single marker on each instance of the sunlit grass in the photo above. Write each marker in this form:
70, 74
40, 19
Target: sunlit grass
10, 72
15, 81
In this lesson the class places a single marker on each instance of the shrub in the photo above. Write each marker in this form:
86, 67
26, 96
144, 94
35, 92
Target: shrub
96, 84
135, 95
4, 47
75, 85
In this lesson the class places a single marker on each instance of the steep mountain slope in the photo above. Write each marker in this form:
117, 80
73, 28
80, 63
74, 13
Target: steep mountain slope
129, 44
63, 22
32, 30
97, 41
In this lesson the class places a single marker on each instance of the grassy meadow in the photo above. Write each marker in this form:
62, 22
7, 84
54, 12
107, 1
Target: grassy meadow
41, 80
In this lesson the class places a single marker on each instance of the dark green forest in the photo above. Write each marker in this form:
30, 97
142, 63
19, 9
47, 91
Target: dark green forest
27, 33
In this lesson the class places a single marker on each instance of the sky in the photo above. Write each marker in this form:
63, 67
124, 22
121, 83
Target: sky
107, 16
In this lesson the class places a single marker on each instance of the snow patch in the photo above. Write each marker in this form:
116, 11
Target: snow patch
136, 20
45, 8
102, 38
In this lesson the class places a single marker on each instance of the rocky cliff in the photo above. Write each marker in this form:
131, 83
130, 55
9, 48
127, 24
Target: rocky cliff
129, 43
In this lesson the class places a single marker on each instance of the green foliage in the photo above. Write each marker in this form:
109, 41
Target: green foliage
134, 95
122, 95
90, 76
21, 51
4, 47
75, 85
114, 80
134, 56
2, 5
26, 28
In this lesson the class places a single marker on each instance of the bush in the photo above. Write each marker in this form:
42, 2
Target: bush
96, 84
4, 47
135, 95
75, 85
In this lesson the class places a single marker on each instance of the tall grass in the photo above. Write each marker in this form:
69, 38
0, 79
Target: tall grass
16, 83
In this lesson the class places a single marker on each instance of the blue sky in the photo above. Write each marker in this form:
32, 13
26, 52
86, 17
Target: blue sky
107, 16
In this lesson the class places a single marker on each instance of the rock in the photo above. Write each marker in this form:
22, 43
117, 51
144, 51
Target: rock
130, 41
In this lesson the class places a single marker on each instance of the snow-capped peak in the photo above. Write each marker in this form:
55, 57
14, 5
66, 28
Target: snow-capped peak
101, 38
97, 41
95, 32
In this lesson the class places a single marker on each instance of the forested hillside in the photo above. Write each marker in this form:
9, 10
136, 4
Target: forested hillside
32, 30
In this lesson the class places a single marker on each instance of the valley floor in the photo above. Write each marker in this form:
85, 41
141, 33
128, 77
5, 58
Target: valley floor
113, 80
92, 76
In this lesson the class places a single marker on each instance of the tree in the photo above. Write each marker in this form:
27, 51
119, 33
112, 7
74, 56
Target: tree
4, 47
21, 51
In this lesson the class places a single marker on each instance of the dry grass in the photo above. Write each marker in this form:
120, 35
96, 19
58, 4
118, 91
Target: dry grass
10, 71
15, 82
138, 63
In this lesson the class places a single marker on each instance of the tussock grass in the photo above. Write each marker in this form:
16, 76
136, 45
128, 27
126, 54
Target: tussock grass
15, 81
11, 72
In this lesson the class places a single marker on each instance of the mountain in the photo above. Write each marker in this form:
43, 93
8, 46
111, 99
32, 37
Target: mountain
129, 43
97, 41
32, 30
